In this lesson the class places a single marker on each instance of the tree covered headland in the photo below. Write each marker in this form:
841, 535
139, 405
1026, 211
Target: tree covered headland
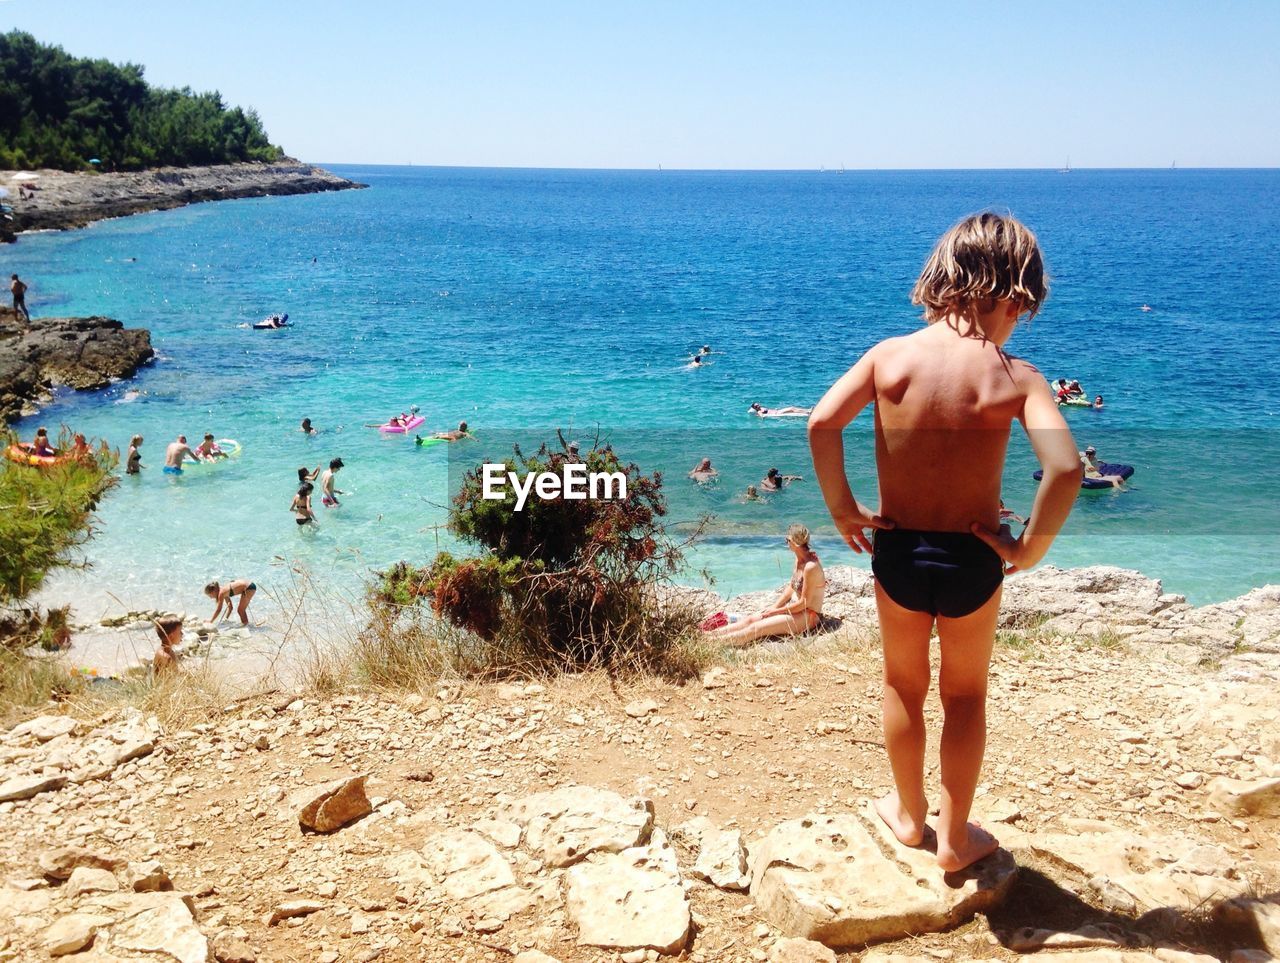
61, 111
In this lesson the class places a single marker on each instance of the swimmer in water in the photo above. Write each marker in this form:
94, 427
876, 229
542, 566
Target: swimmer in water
455, 435
306, 427
775, 481
703, 472
793, 411
1097, 402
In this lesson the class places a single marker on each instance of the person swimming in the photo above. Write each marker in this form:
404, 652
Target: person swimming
455, 435
775, 481
786, 411
703, 472
1097, 402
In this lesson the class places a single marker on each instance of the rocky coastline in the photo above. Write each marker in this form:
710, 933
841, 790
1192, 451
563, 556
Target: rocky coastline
59, 200
80, 353
1133, 781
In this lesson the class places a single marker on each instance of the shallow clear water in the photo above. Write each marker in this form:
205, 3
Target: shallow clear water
529, 299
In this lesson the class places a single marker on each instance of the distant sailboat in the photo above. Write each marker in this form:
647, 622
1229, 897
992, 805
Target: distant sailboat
1067, 169
842, 167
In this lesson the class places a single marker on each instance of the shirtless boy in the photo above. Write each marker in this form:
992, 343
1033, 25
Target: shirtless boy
945, 399
169, 630
328, 494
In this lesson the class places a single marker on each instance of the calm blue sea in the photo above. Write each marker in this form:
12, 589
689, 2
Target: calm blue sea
536, 299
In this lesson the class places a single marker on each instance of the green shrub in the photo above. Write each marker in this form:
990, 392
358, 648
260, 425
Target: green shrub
564, 583
45, 514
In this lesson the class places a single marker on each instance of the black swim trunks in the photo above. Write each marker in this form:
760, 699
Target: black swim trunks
951, 574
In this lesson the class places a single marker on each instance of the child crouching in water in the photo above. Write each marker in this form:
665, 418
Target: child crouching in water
945, 398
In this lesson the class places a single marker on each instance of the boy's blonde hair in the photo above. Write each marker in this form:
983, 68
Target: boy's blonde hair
986, 257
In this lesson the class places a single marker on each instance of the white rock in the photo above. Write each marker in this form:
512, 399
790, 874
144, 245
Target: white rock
73, 933
791, 950
629, 901
42, 729
534, 956
86, 879
1243, 797
471, 871
294, 907
146, 876
566, 824
721, 857
1135, 874
505, 834
60, 863
24, 787
163, 925
641, 708
828, 878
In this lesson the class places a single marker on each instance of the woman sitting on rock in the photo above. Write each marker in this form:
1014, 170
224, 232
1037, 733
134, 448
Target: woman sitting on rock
798, 609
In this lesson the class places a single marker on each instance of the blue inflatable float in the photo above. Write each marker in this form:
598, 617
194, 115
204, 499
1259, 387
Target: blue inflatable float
1106, 468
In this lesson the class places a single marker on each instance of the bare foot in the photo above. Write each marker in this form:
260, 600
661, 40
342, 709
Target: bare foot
976, 844
908, 829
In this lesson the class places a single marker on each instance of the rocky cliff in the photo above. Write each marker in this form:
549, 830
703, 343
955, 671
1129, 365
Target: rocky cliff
58, 199
80, 353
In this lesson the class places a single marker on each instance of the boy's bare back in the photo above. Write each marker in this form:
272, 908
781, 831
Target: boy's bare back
944, 405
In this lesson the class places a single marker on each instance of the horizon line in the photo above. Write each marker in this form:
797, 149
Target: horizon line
658, 168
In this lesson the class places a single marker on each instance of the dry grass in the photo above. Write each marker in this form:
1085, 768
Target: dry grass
178, 700
30, 682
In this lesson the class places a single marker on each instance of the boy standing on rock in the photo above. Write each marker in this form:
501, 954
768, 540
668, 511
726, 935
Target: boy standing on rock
945, 398
19, 292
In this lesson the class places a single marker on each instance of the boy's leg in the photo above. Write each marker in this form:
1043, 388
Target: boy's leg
966, 656
904, 634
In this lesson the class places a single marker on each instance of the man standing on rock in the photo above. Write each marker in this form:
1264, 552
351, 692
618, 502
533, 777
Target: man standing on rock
19, 292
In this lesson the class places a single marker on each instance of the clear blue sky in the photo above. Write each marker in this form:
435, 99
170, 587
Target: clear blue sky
715, 84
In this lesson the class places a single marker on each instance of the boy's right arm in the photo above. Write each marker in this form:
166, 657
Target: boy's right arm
1060, 460
839, 406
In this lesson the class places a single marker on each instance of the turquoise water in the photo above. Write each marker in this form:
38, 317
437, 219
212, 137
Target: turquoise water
529, 300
